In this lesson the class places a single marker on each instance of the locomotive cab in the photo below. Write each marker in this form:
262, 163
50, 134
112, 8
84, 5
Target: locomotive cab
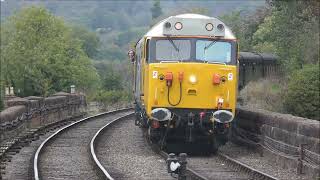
185, 81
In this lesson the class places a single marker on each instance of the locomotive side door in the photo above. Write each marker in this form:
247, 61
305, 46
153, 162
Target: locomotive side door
137, 90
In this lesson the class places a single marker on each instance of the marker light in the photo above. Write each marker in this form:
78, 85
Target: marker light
209, 27
193, 79
169, 78
220, 27
178, 26
216, 79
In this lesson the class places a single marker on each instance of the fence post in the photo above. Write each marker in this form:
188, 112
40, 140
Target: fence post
300, 159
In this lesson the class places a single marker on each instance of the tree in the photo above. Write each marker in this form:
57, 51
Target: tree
156, 10
302, 97
291, 32
111, 80
244, 24
39, 55
90, 41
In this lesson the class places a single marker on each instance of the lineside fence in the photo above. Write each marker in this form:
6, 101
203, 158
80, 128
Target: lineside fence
287, 140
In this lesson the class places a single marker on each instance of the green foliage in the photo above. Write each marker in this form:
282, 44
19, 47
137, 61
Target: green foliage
292, 32
109, 19
156, 9
264, 94
302, 96
90, 41
113, 96
110, 79
40, 55
115, 82
289, 29
111, 53
116, 44
1, 100
244, 24
127, 36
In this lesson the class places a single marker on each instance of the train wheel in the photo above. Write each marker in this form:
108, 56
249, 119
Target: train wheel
152, 135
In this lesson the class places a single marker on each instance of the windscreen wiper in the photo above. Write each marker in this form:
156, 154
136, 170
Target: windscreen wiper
209, 45
216, 62
174, 45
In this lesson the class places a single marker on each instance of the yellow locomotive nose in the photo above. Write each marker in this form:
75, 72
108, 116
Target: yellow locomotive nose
204, 87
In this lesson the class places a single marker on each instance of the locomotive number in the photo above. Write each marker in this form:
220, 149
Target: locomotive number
155, 74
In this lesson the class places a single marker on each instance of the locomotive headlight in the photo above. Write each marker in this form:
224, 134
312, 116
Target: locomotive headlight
209, 27
178, 26
192, 79
167, 25
220, 27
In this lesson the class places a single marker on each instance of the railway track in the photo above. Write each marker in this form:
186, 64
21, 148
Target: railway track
81, 150
131, 158
136, 155
219, 166
21, 149
66, 153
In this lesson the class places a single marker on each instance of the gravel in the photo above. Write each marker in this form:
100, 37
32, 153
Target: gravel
212, 167
125, 154
264, 164
67, 156
20, 164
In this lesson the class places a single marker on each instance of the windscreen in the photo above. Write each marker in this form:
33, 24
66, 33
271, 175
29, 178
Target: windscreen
213, 51
173, 50
203, 50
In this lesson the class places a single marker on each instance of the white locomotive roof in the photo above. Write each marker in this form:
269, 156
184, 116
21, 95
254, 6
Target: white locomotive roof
193, 24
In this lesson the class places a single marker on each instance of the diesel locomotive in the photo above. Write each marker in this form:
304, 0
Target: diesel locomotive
186, 81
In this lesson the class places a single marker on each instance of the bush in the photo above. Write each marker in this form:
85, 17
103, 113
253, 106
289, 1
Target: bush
1, 104
113, 96
302, 98
264, 94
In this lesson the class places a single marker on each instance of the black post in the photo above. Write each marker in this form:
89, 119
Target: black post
300, 159
183, 167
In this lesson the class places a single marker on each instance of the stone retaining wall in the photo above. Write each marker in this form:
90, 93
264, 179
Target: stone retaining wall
281, 136
33, 112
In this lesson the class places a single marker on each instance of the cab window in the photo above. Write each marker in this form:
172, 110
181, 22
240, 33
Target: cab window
173, 50
213, 51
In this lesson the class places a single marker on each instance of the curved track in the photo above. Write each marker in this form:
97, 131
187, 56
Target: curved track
65, 154
90, 149
131, 158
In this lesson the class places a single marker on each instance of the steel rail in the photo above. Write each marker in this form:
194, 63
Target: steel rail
251, 171
190, 171
93, 142
50, 138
